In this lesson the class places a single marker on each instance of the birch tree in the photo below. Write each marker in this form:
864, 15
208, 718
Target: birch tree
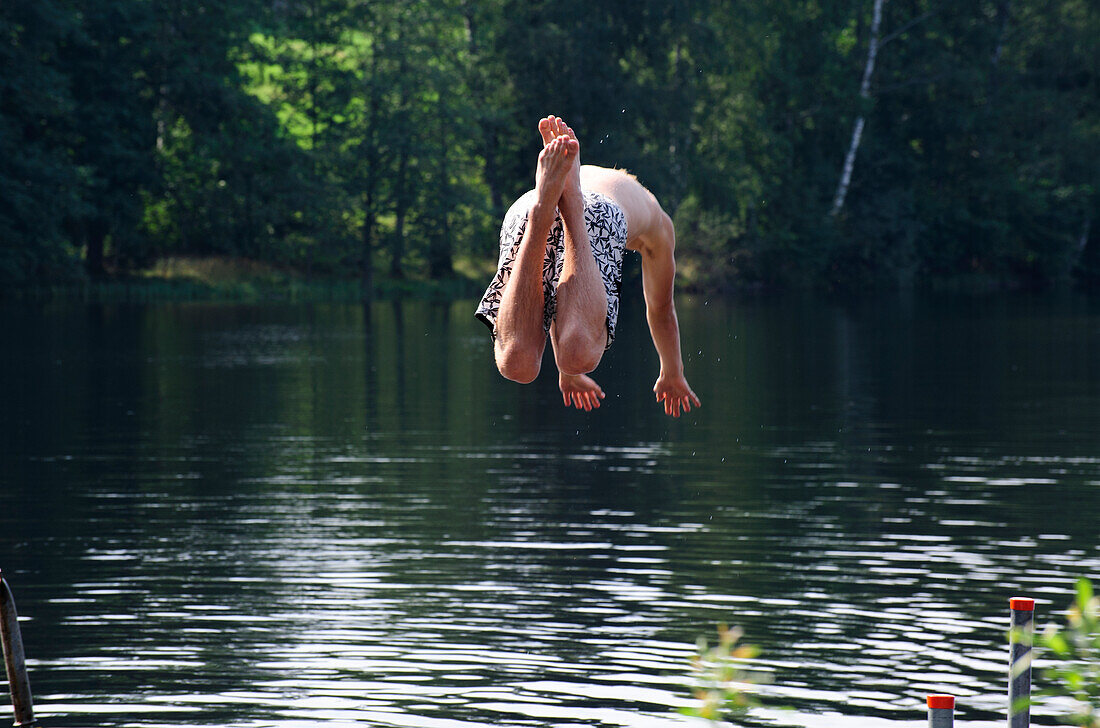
865, 96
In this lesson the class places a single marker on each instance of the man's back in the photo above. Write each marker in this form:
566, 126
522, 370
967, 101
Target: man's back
645, 219
643, 213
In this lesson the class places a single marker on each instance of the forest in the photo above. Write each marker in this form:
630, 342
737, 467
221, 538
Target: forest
839, 144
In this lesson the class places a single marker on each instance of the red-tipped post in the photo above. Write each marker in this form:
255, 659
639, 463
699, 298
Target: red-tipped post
941, 711
12, 641
1021, 634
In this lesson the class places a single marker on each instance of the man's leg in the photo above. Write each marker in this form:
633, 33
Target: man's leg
580, 324
520, 337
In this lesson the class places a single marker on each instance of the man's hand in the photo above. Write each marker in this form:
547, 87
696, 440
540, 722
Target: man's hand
673, 390
580, 391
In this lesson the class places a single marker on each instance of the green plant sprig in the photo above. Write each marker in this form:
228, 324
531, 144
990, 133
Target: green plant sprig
721, 676
1077, 647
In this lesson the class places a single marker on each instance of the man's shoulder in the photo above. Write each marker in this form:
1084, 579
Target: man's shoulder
606, 175
639, 205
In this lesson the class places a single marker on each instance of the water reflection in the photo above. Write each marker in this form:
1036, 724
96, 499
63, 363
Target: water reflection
273, 516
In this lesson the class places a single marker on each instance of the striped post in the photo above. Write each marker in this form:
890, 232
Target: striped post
941, 711
13, 659
1020, 637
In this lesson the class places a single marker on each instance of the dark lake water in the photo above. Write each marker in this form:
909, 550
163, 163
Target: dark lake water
293, 515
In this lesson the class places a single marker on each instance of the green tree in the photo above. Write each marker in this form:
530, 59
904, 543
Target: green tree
113, 141
38, 180
233, 183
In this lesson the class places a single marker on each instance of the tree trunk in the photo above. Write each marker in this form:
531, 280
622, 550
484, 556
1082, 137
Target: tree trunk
252, 242
1078, 251
989, 112
1004, 12
369, 215
492, 177
93, 253
488, 129
864, 95
681, 132
397, 242
440, 264
367, 265
312, 85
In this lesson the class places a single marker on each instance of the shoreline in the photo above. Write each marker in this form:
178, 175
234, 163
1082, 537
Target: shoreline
248, 281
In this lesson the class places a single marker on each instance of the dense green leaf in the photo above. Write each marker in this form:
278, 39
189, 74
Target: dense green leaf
345, 136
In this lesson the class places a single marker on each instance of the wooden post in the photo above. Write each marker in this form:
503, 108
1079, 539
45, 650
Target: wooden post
13, 659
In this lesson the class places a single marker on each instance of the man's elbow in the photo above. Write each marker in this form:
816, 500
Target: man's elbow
661, 309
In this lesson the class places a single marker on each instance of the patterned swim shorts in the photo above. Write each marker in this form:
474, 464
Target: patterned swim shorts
606, 226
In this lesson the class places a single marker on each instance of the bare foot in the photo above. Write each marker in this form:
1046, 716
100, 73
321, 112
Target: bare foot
553, 127
554, 167
580, 391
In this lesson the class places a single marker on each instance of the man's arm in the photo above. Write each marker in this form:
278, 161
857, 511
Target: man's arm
658, 278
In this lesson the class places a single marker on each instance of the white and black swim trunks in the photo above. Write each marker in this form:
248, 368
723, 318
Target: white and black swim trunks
606, 226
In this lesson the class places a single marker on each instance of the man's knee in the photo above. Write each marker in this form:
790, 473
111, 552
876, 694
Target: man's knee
518, 364
579, 353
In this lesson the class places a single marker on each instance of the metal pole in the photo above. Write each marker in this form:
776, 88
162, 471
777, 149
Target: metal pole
941, 711
13, 659
1020, 636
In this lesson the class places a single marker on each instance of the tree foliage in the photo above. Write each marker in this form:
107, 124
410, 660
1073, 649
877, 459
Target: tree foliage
351, 137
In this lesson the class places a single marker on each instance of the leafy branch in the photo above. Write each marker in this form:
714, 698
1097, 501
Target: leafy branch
721, 676
1077, 647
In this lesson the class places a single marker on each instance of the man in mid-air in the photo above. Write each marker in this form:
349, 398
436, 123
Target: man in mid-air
561, 255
